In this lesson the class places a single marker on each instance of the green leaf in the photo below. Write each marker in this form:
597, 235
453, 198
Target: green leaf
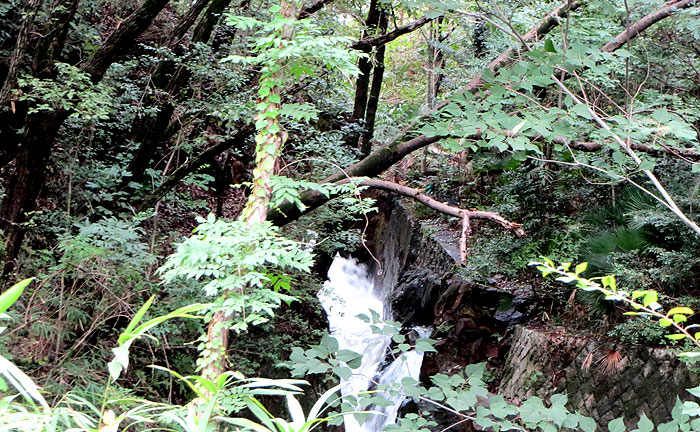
644, 424
587, 424
681, 310
695, 391
664, 322
549, 46
649, 298
617, 425
676, 336
10, 296
425, 345
581, 268
135, 320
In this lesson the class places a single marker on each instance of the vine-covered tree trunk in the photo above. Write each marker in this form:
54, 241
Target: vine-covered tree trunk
269, 141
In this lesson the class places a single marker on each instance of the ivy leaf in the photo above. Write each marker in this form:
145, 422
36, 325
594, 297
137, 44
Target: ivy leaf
587, 424
644, 424
617, 425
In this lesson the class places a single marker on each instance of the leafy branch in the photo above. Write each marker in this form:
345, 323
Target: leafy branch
644, 302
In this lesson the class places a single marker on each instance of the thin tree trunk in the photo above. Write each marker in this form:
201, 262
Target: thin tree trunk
365, 64
375, 90
18, 53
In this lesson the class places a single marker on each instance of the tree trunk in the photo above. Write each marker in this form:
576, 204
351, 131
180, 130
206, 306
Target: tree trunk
365, 64
18, 53
51, 44
269, 141
362, 81
122, 38
42, 128
29, 174
376, 89
436, 60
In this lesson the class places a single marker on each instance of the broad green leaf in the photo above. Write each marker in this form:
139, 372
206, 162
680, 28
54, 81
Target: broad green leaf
135, 320
681, 310
10, 296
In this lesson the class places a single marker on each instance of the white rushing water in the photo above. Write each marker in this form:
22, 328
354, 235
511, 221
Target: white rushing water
350, 291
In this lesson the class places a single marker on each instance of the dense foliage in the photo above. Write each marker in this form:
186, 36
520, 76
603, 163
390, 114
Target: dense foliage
207, 159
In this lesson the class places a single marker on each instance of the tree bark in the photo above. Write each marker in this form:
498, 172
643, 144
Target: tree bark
436, 60
314, 7
204, 28
150, 129
371, 166
122, 38
22, 189
187, 21
375, 90
18, 53
635, 29
369, 42
52, 43
365, 64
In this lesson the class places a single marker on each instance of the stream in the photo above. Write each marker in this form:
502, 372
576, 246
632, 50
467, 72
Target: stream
349, 292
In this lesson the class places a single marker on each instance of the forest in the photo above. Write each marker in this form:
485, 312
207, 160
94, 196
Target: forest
344, 215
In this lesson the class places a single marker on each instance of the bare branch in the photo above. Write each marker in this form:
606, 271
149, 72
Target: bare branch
635, 29
384, 39
437, 205
314, 7
628, 149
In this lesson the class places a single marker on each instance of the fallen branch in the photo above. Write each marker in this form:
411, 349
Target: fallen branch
670, 203
690, 154
437, 205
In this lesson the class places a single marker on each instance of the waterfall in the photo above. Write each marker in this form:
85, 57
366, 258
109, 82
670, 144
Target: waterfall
349, 292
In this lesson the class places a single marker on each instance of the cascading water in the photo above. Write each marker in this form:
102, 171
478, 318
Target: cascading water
349, 292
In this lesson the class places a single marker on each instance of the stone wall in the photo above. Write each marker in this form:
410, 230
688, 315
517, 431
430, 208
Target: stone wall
604, 380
